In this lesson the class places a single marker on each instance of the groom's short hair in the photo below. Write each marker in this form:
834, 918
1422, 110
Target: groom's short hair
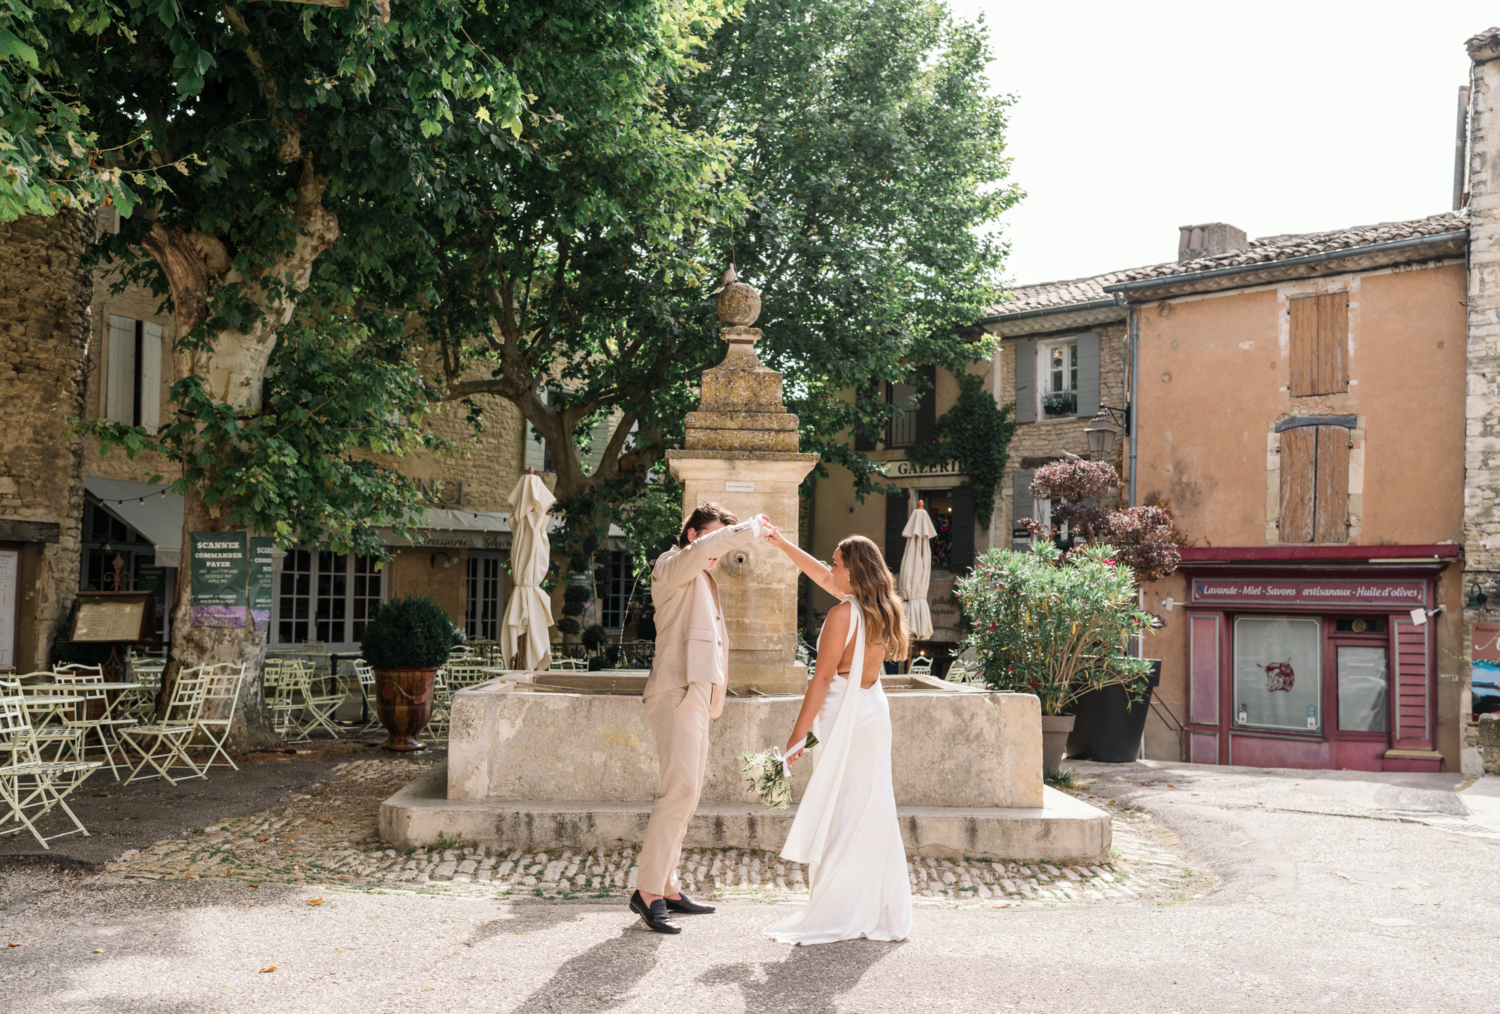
704, 513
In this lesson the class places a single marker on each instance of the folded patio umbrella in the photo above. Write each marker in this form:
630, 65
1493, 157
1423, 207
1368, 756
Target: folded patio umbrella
529, 612
916, 572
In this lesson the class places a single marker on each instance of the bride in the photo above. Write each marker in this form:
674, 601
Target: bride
846, 827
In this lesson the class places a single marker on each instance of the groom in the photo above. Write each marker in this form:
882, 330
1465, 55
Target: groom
685, 689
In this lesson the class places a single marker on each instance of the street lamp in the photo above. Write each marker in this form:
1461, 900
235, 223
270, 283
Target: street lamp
1102, 434
1477, 597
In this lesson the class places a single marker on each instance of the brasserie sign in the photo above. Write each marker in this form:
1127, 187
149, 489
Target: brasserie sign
1271, 591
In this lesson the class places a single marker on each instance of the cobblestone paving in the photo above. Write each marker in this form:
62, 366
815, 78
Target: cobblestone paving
328, 839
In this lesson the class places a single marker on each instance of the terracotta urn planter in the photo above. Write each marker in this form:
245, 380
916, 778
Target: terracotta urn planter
1055, 729
403, 699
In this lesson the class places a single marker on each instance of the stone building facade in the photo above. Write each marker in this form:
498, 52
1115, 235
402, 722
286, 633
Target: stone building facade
44, 346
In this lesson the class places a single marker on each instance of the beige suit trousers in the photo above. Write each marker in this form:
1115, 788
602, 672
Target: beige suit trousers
679, 719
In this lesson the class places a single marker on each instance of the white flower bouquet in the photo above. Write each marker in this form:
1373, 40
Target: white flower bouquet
771, 776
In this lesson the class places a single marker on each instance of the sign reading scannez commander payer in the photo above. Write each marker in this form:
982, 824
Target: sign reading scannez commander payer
219, 575
1399, 595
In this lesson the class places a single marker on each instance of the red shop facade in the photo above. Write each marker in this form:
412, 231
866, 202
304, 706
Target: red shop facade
1300, 657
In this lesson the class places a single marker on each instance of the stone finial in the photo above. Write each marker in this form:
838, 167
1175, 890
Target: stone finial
1485, 46
739, 305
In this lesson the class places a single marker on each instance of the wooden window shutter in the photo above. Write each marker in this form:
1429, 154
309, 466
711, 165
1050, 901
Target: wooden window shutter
1025, 382
1331, 506
119, 384
1319, 337
1088, 375
1021, 504
870, 393
895, 521
963, 529
926, 404
1203, 682
1413, 687
1299, 463
151, 377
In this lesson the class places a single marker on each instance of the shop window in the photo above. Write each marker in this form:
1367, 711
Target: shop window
132, 385
1314, 484
1364, 688
1318, 330
952, 512
1278, 673
326, 596
483, 601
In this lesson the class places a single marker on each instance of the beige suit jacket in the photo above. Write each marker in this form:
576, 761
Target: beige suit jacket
692, 642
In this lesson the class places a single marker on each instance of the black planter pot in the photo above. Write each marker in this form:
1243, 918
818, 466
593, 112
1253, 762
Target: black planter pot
1108, 726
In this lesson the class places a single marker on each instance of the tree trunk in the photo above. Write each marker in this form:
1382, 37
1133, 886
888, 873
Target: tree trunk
233, 370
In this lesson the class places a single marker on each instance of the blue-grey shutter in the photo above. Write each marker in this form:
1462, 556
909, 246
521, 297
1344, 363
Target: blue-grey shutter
1088, 374
963, 529
1025, 382
895, 521
926, 404
1021, 507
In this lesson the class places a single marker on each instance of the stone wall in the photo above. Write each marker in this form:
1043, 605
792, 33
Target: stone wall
1482, 423
44, 345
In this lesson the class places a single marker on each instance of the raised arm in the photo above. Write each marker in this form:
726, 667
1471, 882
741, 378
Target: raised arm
815, 569
698, 555
830, 650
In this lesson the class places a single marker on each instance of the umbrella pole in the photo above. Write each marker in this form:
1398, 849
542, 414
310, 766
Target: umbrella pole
519, 661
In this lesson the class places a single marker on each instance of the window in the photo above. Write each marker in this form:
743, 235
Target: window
1319, 337
1060, 378
1278, 673
1364, 688
132, 386
901, 429
326, 596
482, 605
1314, 483
612, 578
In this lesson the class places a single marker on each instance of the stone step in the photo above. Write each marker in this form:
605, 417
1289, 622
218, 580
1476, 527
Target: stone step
1063, 829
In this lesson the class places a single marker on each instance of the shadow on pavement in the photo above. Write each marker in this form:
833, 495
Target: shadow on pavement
808, 981
600, 978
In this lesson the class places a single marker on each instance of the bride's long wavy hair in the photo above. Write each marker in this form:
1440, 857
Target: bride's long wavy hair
872, 583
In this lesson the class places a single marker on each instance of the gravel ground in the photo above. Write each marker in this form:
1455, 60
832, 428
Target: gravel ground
1301, 909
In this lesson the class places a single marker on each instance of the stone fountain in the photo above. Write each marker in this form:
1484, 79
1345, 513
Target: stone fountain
551, 760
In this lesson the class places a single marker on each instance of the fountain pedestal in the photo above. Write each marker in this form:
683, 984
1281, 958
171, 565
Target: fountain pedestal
741, 451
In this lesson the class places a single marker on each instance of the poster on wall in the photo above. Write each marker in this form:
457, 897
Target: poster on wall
262, 556
218, 575
10, 578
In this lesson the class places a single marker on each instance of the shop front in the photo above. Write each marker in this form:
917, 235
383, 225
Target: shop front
1311, 664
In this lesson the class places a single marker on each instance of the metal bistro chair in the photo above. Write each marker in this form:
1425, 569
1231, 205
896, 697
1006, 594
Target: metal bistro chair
365, 673
442, 702
81, 717
223, 684
921, 666
569, 664
26, 780
459, 675
285, 688
323, 692
168, 737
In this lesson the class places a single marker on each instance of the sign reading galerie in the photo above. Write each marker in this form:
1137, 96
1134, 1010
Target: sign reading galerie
1276, 591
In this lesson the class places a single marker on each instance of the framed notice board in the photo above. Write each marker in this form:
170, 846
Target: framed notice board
114, 617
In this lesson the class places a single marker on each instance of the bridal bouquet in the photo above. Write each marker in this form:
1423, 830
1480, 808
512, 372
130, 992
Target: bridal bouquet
771, 776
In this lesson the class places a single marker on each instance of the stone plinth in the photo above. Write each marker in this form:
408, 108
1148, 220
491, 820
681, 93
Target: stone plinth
951, 749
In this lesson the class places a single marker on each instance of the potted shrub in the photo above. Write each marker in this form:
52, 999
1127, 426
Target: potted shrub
1109, 720
1055, 627
405, 642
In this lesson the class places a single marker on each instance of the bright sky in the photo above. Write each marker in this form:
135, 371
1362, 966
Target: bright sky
1277, 117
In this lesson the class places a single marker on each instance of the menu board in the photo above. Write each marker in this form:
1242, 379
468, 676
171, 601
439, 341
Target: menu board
113, 617
261, 559
219, 570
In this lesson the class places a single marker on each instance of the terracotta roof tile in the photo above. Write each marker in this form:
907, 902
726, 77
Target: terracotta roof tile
1264, 250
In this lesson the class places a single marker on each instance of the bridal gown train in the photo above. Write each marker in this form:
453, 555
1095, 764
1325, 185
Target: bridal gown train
846, 828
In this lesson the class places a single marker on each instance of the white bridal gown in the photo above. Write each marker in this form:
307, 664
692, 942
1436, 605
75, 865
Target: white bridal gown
846, 825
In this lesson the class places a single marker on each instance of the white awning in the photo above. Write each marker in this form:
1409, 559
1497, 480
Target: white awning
153, 511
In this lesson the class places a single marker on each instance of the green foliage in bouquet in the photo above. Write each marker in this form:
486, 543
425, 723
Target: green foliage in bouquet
1055, 627
768, 777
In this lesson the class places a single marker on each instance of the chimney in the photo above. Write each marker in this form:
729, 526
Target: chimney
1209, 240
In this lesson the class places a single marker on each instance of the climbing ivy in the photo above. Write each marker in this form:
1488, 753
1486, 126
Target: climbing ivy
975, 432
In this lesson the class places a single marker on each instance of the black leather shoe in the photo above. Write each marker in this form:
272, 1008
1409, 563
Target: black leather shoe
654, 915
682, 903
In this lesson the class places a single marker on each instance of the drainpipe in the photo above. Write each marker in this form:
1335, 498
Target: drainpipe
1130, 405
